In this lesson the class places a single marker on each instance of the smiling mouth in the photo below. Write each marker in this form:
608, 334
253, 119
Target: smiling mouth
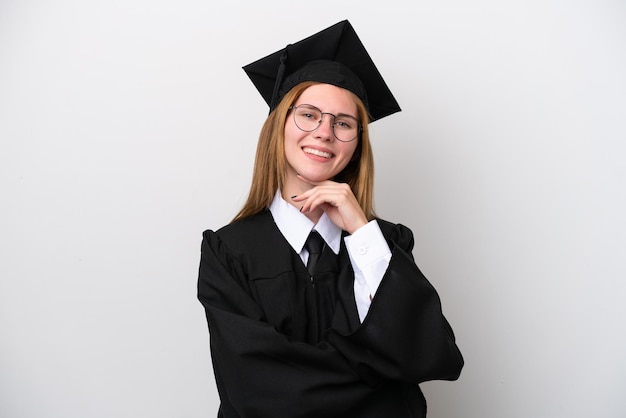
317, 152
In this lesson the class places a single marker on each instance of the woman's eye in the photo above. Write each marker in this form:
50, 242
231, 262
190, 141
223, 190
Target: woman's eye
342, 124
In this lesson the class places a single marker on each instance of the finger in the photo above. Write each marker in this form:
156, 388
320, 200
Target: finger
302, 196
307, 193
324, 197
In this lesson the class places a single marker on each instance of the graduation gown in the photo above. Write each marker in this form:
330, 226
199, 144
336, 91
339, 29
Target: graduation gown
284, 345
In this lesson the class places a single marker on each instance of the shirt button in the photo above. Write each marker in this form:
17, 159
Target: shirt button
362, 250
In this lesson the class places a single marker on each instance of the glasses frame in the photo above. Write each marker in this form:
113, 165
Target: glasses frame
319, 122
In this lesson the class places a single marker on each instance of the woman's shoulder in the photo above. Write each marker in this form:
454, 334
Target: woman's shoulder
254, 242
395, 232
242, 231
244, 227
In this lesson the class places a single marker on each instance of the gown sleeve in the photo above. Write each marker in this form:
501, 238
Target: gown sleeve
260, 373
405, 335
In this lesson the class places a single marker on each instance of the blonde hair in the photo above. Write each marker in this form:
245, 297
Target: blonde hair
270, 164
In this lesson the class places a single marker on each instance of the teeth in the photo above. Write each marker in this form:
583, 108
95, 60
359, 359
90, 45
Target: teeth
317, 152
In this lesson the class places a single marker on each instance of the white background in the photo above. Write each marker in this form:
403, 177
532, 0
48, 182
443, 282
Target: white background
127, 127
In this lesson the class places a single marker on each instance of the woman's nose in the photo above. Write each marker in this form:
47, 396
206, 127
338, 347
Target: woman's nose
325, 129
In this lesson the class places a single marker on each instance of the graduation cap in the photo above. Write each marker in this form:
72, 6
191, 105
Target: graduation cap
333, 56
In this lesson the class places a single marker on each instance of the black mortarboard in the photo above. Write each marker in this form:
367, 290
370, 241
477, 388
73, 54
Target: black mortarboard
334, 56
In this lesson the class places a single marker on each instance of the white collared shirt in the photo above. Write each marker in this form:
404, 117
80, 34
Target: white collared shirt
367, 247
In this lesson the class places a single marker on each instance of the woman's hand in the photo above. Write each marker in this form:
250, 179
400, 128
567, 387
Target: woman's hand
337, 200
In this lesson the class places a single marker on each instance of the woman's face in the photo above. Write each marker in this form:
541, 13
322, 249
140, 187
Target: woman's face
318, 155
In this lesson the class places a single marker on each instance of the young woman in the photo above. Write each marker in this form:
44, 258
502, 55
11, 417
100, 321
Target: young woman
355, 336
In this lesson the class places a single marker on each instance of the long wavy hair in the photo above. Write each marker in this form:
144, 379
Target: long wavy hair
270, 165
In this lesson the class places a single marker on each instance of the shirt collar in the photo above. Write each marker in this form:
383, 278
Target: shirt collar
296, 227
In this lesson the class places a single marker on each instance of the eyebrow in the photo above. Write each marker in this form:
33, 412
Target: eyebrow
329, 113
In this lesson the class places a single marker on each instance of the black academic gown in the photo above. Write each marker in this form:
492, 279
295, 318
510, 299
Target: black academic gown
284, 346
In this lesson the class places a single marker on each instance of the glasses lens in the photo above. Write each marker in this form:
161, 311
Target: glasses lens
308, 118
346, 128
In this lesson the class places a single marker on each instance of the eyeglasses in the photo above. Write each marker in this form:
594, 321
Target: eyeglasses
308, 118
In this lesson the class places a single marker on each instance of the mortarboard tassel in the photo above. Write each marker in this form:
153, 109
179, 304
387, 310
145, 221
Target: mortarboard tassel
279, 78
